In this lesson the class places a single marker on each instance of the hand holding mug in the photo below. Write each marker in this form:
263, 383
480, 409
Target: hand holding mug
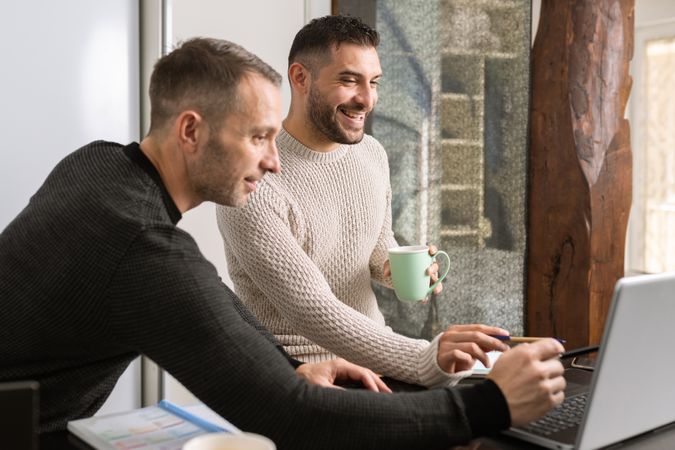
433, 270
414, 271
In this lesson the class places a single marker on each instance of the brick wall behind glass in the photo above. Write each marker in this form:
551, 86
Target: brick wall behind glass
453, 117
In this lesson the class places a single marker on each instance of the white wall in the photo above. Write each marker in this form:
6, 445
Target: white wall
69, 76
651, 12
266, 28
654, 19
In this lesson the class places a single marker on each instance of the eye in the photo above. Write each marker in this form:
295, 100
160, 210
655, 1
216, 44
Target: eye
375, 83
348, 81
259, 138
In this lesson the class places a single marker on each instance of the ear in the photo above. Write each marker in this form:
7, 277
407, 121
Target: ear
299, 77
190, 130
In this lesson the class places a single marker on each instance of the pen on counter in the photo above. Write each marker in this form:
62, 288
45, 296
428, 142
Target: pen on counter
579, 351
522, 339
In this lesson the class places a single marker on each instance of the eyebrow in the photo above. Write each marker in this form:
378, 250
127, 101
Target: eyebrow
262, 129
357, 74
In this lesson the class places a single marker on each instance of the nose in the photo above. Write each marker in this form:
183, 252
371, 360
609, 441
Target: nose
367, 96
270, 161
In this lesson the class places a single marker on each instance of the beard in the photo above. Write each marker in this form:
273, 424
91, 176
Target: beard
324, 119
211, 184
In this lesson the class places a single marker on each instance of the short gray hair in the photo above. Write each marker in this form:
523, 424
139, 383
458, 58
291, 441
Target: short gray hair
202, 74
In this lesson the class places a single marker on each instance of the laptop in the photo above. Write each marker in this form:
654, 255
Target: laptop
631, 389
19, 415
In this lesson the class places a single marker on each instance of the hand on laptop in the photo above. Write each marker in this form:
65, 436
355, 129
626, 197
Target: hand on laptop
326, 373
461, 346
531, 378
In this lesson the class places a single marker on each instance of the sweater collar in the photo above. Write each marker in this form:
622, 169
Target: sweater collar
133, 151
289, 143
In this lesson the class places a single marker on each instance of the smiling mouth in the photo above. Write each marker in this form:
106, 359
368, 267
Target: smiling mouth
358, 116
251, 183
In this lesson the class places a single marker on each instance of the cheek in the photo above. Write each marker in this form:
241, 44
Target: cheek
243, 160
338, 97
349, 96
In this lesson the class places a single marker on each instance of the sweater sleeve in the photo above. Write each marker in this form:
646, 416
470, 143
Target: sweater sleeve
385, 241
167, 302
482, 397
252, 321
259, 241
386, 238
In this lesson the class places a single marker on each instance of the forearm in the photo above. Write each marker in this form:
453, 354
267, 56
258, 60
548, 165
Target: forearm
188, 324
242, 377
279, 273
254, 397
249, 318
380, 253
485, 407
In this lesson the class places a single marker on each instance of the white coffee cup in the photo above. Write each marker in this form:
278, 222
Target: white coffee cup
229, 441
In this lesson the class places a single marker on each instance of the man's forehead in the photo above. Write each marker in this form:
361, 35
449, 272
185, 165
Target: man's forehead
257, 104
360, 59
255, 80
255, 89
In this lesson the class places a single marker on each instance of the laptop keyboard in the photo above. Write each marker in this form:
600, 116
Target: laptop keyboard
562, 417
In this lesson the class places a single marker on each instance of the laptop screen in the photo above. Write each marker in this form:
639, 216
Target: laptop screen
631, 392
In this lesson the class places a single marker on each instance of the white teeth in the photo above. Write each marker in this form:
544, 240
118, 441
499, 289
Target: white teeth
352, 115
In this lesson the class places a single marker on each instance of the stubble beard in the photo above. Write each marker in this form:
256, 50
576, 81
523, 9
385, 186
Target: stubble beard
324, 119
212, 185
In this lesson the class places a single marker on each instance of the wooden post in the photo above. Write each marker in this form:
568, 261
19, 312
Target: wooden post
580, 166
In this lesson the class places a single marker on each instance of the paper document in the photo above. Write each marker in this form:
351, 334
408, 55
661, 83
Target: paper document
480, 369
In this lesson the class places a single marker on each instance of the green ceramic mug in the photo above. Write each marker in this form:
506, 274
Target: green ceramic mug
409, 271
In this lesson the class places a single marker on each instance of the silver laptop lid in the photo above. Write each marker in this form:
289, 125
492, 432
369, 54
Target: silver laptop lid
631, 392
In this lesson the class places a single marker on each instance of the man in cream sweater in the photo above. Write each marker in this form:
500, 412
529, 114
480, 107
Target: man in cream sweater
304, 250
94, 272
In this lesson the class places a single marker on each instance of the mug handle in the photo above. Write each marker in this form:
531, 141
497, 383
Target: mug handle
447, 269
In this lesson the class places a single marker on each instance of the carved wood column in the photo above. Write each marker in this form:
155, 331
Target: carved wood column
580, 166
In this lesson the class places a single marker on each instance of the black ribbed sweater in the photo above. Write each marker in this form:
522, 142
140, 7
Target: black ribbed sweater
94, 272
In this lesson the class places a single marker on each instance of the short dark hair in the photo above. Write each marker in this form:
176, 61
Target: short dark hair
202, 74
313, 44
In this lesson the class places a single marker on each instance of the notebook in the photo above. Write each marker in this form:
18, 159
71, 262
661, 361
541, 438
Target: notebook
479, 369
164, 426
626, 396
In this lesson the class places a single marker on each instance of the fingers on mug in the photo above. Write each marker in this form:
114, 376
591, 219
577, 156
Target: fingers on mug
445, 273
409, 271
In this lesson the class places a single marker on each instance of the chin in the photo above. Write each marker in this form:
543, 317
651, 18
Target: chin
348, 137
240, 201
351, 140
235, 202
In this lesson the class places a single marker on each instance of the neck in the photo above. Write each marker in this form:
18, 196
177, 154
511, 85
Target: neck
298, 126
171, 168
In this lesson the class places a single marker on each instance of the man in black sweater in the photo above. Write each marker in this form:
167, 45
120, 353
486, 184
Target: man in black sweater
94, 272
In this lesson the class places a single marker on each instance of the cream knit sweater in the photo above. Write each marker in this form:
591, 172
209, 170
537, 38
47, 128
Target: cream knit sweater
303, 252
